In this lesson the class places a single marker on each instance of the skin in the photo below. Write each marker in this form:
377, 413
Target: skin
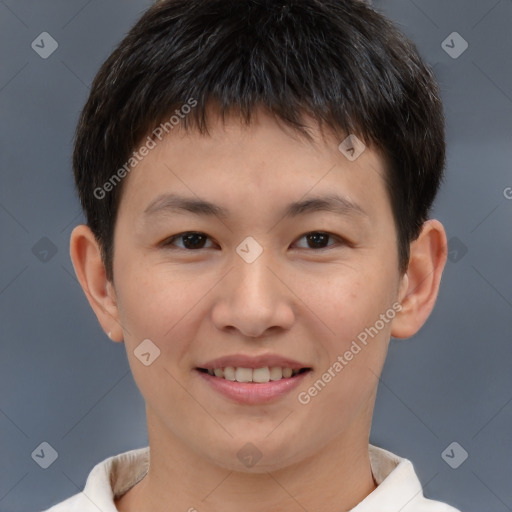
294, 300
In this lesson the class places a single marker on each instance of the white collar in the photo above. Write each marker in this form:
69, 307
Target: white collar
399, 489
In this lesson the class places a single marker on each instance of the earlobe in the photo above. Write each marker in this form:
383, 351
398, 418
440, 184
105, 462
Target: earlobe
89, 268
420, 285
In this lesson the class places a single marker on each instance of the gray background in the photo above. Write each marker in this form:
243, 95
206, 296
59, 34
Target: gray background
63, 382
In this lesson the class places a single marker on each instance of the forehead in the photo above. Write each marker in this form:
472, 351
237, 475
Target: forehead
265, 159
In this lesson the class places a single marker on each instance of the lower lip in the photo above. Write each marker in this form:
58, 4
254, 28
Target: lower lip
253, 393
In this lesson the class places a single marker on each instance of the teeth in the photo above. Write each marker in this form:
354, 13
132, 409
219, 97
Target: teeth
229, 372
243, 375
259, 375
276, 373
287, 372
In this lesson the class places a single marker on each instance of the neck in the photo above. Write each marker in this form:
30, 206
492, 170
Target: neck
333, 479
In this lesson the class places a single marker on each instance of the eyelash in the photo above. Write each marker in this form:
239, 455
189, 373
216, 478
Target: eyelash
168, 243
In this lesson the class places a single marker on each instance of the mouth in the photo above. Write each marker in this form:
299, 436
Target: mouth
261, 375
248, 386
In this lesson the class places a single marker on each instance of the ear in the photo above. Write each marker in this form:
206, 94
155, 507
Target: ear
420, 285
89, 268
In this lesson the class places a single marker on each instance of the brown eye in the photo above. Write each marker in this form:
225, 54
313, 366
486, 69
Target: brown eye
190, 240
318, 240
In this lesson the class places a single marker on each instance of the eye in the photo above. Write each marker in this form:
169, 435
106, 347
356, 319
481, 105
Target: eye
191, 240
320, 239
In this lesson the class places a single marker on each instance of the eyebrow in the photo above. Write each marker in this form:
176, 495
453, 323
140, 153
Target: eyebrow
172, 203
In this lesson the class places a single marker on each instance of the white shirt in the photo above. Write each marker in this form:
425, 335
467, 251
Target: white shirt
399, 489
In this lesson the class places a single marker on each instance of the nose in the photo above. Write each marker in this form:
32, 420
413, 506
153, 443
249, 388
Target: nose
254, 299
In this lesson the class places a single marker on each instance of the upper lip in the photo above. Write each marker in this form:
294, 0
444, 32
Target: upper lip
246, 361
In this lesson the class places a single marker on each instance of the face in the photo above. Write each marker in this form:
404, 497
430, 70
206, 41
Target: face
306, 285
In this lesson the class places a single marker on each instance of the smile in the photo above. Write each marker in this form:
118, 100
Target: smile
252, 392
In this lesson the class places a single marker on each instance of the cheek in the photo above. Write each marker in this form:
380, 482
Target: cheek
348, 303
358, 312
354, 350
152, 299
158, 304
